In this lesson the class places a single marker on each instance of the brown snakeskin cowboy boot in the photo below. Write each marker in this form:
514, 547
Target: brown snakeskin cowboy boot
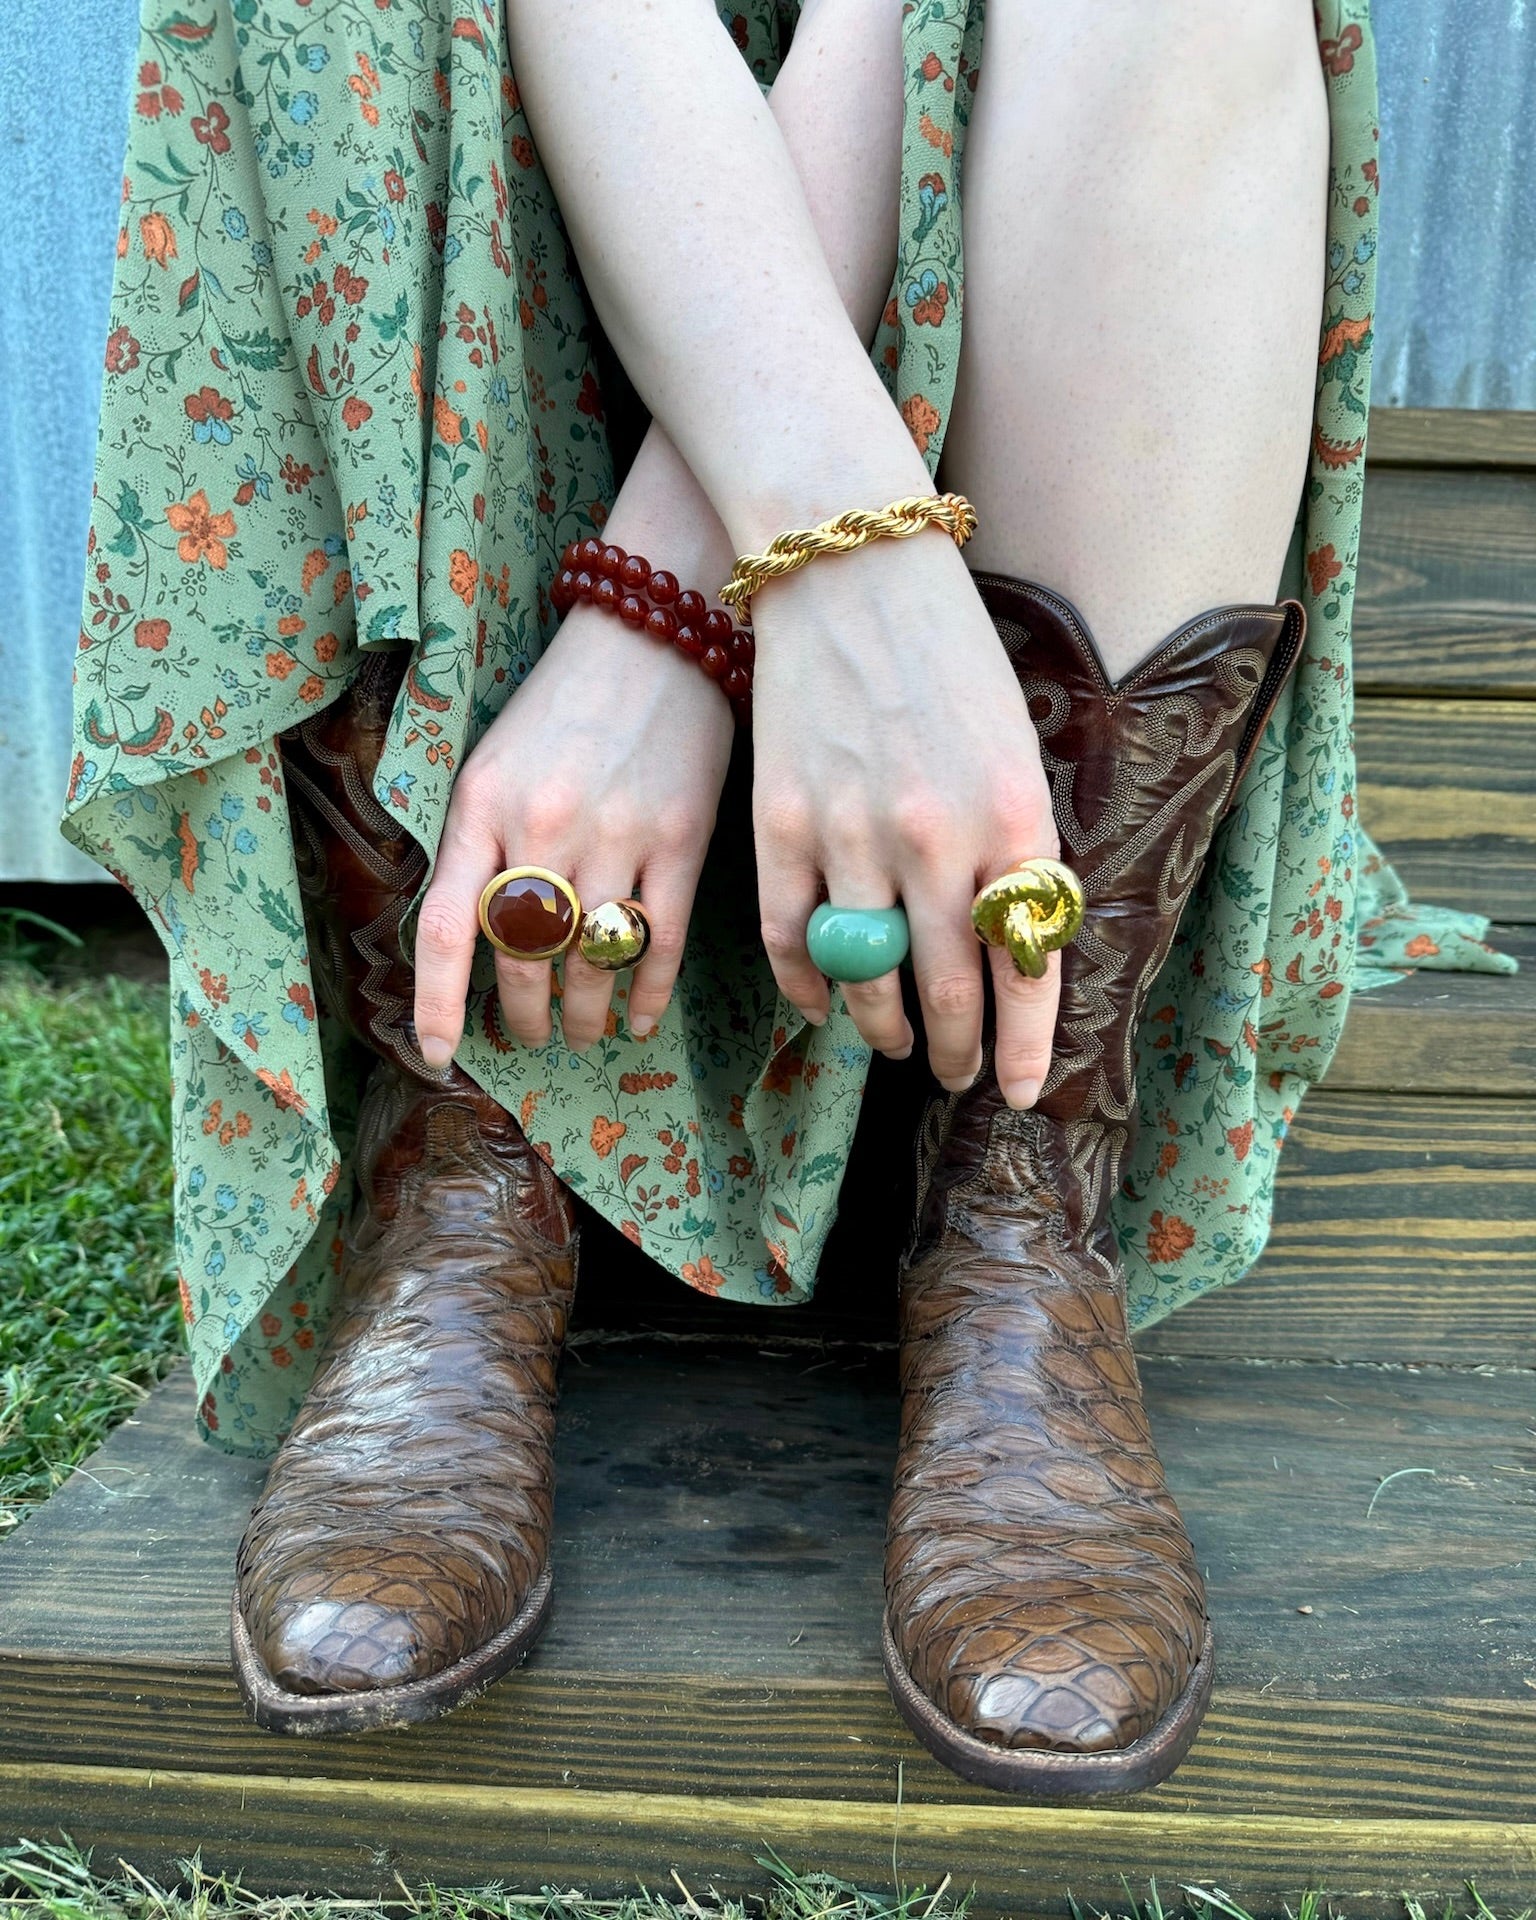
1045, 1629
396, 1563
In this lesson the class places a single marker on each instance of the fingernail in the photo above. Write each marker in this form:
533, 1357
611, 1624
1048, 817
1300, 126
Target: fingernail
958, 1086
816, 1019
1022, 1093
641, 1024
436, 1051
905, 1054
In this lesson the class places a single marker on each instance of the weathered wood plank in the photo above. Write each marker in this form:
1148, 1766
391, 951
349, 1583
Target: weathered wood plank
1448, 790
1404, 1230
285, 1835
1446, 597
721, 1513
1445, 1033
1451, 437
1259, 1753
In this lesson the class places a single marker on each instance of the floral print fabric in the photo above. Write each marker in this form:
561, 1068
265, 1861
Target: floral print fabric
351, 402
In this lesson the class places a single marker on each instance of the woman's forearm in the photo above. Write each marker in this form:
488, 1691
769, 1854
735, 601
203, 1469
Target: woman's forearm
838, 105
739, 310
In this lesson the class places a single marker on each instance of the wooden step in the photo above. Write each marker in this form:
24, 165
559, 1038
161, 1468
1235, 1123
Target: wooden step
1446, 596
710, 1683
1404, 1231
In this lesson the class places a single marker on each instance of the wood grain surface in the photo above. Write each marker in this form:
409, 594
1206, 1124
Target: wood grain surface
1450, 437
1448, 791
354, 1836
1405, 1230
1445, 601
721, 1513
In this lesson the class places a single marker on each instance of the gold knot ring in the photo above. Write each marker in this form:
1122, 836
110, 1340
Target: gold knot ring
1032, 910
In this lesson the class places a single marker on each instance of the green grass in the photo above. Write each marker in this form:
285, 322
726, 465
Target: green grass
59, 1883
90, 1317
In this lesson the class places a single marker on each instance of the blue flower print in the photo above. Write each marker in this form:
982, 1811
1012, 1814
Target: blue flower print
314, 56
303, 107
234, 223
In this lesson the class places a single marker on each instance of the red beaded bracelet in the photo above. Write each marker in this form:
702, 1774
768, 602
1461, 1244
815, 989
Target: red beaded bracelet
652, 600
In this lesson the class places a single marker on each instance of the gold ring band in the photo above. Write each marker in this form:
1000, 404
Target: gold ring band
1031, 910
520, 905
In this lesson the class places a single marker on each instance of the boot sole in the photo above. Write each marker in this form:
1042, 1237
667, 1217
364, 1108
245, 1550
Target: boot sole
1041, 1773
278, 1711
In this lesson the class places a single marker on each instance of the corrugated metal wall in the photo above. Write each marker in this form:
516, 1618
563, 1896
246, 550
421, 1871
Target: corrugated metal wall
63, 120
1456, 320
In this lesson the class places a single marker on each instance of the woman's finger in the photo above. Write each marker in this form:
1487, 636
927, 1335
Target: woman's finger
789, 886
1026, 1026
523, 988
446, 930
588, 990
667, 890
875, 1005
946, 959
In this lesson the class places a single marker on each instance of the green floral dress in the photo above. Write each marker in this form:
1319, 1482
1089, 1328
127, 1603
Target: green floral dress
350, 401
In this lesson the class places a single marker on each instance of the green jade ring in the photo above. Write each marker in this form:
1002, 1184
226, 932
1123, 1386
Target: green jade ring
854, 944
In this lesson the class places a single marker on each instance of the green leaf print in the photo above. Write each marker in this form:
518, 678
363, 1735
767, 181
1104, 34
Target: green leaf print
277, 913
386, 623
258, 350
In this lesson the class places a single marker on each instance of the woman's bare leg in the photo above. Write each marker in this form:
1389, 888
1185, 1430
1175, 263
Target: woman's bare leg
1145, 201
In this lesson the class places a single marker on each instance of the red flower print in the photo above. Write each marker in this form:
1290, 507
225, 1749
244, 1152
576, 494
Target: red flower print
282, 1090
302, 998
522, 150
152, 634
202, 530
929, 311
606, 1135
207, 404
158, 238
394, 186
1341, 336
922, 418
703, 1274
156, 98
589, 401
1323, 565
1339, 55
122, 351
350, 286
1168, 1237
1336, 454
932, 66
1421, 947
354, 412
1240, 1140
212, 129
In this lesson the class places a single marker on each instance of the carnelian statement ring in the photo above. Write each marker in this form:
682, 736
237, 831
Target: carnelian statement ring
530, 913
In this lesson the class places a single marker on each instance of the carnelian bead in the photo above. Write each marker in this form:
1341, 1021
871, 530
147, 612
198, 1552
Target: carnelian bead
689, 640
736, 685
661, 624
692, 607
605, 594
634, 573
718, 626
716, 662
663, 587
632, 610
610, 560
563, 592
584, 583
589, 553
743, 648
568, 558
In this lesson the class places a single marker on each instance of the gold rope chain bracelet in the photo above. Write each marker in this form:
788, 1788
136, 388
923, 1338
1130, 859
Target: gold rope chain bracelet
849, 531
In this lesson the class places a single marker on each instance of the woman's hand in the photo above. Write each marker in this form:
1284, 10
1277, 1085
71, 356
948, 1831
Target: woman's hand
895, 760
606, 765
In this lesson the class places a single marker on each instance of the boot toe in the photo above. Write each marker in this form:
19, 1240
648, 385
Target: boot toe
1069, 1676
363, 1616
